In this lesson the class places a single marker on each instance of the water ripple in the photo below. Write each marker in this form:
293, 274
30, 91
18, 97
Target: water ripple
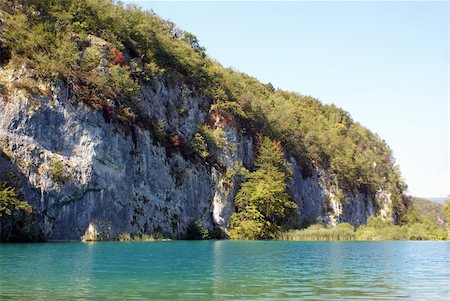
226, 270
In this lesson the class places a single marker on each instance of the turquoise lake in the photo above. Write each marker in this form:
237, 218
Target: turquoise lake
226, 270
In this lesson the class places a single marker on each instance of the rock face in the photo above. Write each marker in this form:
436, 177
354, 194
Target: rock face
87, 177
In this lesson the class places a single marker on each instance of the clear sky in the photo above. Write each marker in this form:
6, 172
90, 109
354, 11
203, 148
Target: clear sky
386, 63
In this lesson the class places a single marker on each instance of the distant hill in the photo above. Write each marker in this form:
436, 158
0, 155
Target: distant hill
430, 208
440, 200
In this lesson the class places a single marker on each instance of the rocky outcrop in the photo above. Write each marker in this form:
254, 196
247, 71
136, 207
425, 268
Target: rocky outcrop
320, 199
89, 178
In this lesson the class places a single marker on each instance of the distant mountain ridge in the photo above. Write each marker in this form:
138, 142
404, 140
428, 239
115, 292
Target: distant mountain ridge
440, 200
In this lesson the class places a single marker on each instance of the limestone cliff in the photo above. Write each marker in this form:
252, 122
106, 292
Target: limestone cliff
80, 172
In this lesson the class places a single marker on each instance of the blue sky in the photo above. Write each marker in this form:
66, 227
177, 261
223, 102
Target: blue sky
386, 63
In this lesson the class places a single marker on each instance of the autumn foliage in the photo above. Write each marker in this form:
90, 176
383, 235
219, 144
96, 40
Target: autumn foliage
117, 57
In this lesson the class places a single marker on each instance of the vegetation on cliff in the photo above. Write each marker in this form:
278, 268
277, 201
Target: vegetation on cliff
9, 201
105, 52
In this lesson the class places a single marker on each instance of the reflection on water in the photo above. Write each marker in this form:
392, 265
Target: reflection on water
226, 270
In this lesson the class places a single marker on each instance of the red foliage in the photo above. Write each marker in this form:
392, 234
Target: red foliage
117, 57
221, 121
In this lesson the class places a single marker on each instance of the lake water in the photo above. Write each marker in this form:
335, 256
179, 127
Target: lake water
226, 270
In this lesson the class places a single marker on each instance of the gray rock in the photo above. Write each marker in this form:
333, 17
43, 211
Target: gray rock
87, 178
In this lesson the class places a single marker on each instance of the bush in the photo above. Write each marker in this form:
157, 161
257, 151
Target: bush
117, 57
124, 236
208, 142
156, 236
426, 230
57, 171
91, 59
200, 146
387, 232
196, 231
120, 82
9, 201
215, 138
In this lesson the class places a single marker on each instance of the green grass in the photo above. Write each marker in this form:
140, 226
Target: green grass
376, 229
156, 236
342, 231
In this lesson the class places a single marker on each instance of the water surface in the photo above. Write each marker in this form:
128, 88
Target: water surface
226, 270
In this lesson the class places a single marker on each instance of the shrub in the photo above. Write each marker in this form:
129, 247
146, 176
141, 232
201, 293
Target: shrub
152, 71
200, 146
120, 82
124, 236
196, 231
387, 232
426, 230
117, 57
57, 171
156, 236
215, 140
9, 201
91, 59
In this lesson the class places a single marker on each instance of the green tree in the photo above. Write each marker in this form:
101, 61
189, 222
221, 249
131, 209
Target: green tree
263, 205
9, 201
